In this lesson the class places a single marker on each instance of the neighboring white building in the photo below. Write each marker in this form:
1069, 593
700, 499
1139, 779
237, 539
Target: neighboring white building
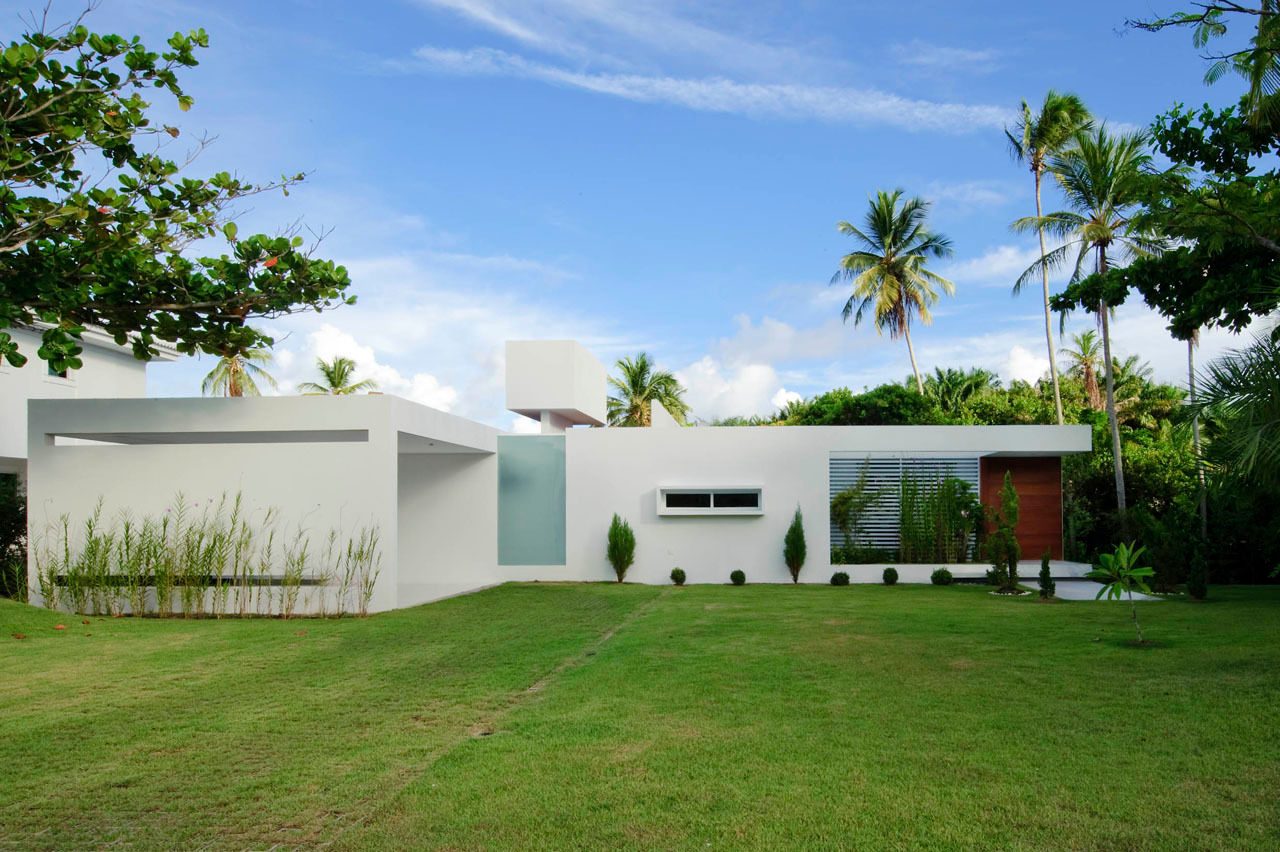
109, 371
459, 505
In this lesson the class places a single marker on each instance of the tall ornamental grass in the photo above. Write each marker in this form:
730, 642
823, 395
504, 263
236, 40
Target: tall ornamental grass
199, 561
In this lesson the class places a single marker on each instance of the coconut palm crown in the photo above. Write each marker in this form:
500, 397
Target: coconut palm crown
336, 375
888, 272
637, 387
238, 372
1034, 139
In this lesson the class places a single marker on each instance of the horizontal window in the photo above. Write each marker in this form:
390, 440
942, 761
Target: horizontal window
738, 500
710, 501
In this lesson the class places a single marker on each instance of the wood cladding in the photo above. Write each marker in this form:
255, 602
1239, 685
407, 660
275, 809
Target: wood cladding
1038, 481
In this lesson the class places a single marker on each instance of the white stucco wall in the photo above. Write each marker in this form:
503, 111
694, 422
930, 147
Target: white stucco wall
284, 453
619, 470
107, 372
447, 525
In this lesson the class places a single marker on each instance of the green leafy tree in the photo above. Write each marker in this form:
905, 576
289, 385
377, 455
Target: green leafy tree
1121, 573
1099, 177
888, 273
1217, 197
621, 548
886, 405
794, 549
637, 387
1035, 138
238, 372
336, 377
96, 222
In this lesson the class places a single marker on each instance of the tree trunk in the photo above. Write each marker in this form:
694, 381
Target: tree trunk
1133, 610
906, 330
1195, 433
1048, 322
1116, 453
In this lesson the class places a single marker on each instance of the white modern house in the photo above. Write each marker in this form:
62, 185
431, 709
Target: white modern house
459, 505
109, 371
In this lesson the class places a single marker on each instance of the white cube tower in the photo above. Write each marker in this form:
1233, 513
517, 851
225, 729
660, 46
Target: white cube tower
556, 382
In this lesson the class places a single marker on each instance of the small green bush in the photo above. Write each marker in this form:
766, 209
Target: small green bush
677, 576
941, 577
793, 546
737, 577
1047, 586
840, 578
890, 576
621, 550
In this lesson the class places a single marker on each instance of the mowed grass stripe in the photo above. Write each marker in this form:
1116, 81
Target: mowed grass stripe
244, 734
871, 717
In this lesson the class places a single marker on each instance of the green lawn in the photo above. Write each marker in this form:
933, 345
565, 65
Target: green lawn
630, 717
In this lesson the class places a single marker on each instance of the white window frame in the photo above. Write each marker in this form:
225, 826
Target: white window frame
666, 511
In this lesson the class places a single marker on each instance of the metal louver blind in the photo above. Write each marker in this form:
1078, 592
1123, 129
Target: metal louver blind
879, 527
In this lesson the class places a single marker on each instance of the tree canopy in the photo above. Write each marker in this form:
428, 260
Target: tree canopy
98, 226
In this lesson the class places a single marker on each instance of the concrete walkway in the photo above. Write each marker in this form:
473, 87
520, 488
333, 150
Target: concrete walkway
1086, 590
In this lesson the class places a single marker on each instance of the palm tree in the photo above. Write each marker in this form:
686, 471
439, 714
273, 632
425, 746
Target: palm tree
639, 386
951, 388
888, 273
1085, 360
1242, 390
337, 379
1035, 138
237, 373
1099, 176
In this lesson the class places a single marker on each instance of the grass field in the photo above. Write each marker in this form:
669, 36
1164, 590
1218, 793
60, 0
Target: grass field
630, 717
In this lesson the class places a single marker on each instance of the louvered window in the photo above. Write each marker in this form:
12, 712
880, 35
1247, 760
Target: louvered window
879, 525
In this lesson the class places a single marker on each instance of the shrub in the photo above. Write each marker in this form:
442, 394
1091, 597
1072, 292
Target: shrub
1047, 586
737, 577
1197, 581
840, 578
793, 546
941, 577
890, 576
677, 576
13, 538
621, 549
1002, 545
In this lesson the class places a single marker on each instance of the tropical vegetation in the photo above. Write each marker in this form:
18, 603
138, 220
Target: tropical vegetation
336, 379
638, 385
237, 373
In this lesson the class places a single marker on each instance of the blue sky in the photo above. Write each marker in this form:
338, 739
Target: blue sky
658, 175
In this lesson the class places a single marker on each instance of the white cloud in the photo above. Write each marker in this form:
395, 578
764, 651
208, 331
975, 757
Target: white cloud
714, 391
973, 193
521, 425
922, 54
998, 267
329, 342
606, 32
718, 94
784, 397
1022, 365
